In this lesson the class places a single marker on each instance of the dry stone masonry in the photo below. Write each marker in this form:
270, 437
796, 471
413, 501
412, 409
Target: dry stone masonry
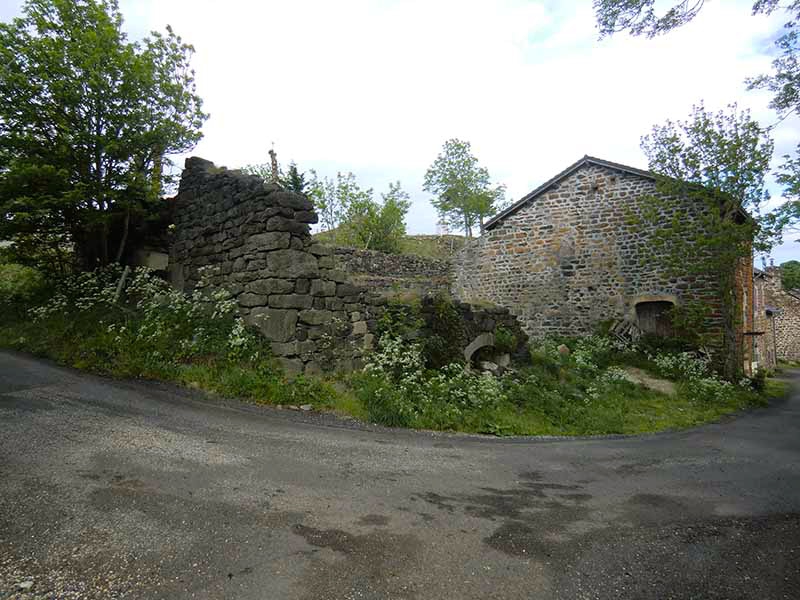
394, 274
570, 256
254, 238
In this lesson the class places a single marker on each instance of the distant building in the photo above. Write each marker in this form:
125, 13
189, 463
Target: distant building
776, 319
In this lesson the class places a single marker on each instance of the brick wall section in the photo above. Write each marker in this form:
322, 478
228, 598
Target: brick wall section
255, 237
787, 321
392, 274
571, 258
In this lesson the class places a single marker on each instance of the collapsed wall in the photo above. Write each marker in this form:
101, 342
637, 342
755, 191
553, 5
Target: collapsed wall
255, 239
394, 274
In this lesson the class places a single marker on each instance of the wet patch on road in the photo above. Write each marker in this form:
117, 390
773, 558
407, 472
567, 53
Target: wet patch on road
534, 517
379, 520
365, 566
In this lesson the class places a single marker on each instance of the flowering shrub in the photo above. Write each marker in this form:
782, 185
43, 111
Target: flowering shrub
150, 316
399, 391
683, 365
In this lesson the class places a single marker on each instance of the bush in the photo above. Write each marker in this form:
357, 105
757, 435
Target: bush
19, 284
397, 390
505, 341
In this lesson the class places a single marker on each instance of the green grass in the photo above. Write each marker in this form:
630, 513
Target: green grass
547, 398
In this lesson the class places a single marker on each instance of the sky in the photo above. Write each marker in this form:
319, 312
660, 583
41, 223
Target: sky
376, 86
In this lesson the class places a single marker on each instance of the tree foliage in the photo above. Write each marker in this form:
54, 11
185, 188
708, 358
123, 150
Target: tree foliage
292, 179
354, 218
87, 120
719, 162
464, 195
639, 17
790, 275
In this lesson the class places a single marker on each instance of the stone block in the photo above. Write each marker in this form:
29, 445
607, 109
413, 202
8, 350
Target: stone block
249, 300
270, 240
369, 342
335, 275
276, 325
346, 289
290, 301
320, 287
316, 317
292, 366
293, 264
292, 200
306, 216
334, 304
284, 348
302, 286
318, 249
359, 328
326, 262
271, 286
282, 224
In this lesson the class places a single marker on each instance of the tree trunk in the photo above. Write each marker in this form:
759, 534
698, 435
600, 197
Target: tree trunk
125, 227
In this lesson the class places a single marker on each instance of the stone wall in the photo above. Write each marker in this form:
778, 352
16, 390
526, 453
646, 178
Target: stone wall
572, 257
787, 316
254, 238
394, 274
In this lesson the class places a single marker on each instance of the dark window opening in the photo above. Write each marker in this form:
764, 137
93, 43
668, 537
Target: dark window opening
655, 318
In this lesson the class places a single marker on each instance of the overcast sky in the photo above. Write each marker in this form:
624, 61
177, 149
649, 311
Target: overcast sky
376, 86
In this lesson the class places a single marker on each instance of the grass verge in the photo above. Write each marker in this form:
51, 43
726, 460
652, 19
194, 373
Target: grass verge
578, 394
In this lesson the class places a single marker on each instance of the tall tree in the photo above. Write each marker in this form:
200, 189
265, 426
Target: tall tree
790, 275
295, 181
719, 162
464, 195
95, 115
334, 199
639, 17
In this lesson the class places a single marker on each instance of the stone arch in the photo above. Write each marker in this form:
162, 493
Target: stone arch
482, 341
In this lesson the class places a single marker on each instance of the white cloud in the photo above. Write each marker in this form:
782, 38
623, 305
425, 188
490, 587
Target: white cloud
375, 87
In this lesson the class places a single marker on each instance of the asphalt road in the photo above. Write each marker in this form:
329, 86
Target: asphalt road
112, 489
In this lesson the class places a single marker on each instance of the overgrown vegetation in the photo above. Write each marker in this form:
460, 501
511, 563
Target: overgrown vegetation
579, 392
137, 326
87, 121
147, 329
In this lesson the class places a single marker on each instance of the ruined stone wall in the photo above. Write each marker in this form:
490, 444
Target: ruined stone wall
394, 274
573, 257
254, 238
787, 319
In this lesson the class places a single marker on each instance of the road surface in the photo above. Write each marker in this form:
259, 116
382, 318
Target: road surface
115, 489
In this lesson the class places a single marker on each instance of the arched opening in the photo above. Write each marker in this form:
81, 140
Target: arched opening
654, 317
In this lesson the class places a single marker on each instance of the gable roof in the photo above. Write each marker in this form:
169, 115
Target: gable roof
586, 160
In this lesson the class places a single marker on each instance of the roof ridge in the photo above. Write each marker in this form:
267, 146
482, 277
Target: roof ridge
565, 173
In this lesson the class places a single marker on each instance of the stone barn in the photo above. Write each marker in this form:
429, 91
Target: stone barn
568, 256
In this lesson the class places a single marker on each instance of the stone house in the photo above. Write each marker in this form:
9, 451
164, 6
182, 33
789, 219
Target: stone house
776, 319
568, 256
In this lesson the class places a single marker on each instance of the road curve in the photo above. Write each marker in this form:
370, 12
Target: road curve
117, 489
